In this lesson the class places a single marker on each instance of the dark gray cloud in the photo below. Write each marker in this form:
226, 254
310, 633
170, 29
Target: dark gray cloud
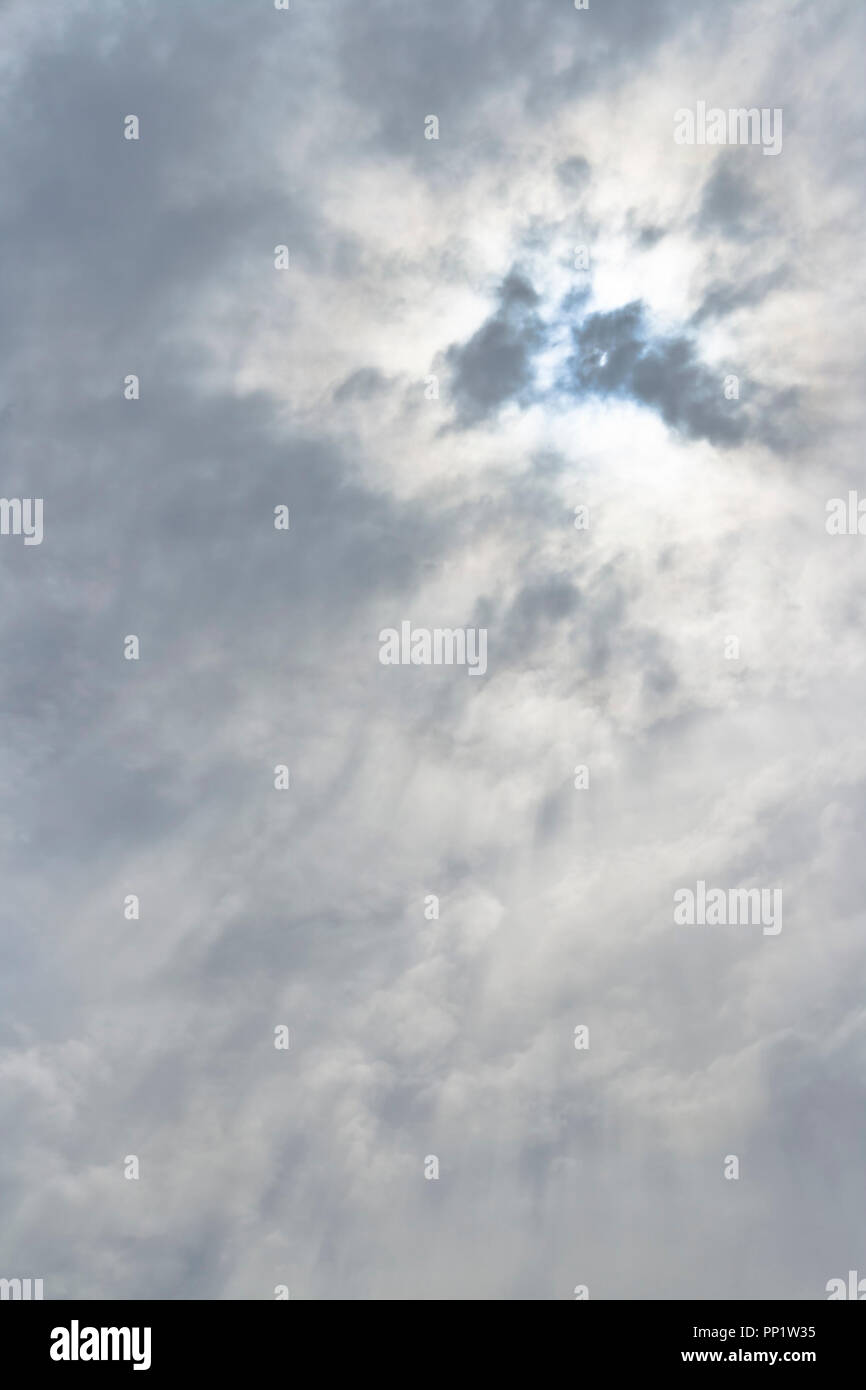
730, 202
616, 353
447, 60
725, 298
496, 364
362, 385
650, 236
574, 173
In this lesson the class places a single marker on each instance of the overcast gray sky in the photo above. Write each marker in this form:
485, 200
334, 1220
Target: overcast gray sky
564, 381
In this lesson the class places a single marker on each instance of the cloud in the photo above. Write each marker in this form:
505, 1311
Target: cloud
495, 365
574, 172
723, 299
414, 1034
616, 353
730, 203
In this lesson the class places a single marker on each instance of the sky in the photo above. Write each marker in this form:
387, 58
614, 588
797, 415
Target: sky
551, 306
